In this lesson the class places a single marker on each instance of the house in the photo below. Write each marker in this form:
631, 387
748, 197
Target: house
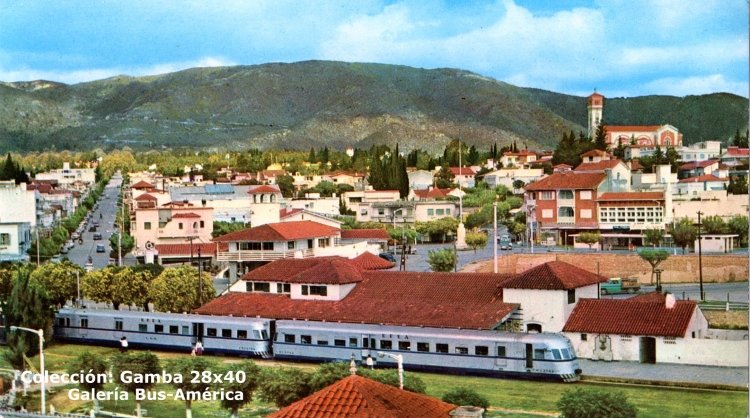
717, 243
595, 156
20, 204
694, 186
269, 176
196, 253
463, 176
623, 216
517, 159
420, 179
618, 173
700, 151
697, 168
313, 202
295, 215
736, 156
66, 176
363, 202
548, 293
172, 223
429, 194
356, 396
377, 236
509, 176
356, 180
650, 328
15, 241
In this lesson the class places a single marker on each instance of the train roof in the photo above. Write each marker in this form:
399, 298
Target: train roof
161, 315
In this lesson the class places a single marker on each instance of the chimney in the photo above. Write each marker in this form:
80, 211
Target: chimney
669, 301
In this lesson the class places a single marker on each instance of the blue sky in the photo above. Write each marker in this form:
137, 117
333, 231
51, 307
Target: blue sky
621, 47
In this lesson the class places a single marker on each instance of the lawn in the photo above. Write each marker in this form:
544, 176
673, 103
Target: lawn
509, 398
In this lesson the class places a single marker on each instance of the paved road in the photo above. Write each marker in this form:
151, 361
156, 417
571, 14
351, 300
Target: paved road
665, 372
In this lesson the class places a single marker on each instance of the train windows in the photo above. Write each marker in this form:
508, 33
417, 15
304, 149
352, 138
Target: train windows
84, 322
386, 344
501, 351
462, 350
211, 332
241, 334
556, 354
423, 347
404, 345
60, 322
174, 329
256, 334
290, 338
158, 328
339, 343
539, 354
283, 288
306, 339
185, 330
481, 350
322, 342
142, 327
118, 324
352, 342
565, 354
441, 348
264, 334
226, 333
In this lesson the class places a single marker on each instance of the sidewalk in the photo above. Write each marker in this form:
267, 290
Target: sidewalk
691, 375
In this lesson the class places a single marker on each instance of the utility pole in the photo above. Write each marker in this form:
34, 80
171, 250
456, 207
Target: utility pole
700, 258
494, 237
119, 235
200, 278
37, 244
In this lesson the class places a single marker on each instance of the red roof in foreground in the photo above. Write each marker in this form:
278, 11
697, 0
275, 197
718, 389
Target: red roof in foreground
283, 231
700, 179
636, 316
598, 166
370, 261
568, 180
554, 275
373, 233
450, 300
359, 397
333, 270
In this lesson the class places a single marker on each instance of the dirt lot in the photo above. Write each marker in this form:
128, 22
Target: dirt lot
727, 320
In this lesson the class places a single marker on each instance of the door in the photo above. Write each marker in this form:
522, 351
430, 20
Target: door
648, 350
197, 331
529, 356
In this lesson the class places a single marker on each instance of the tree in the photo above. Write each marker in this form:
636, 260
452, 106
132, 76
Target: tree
600, 138
518, 185
588, 403
737, 185
653, 236
29, 307
444, 178
329, 373
738, 225
284, 386
476, 239
684, 233
247, 386
93, 364
589, 238
59, 280
126, 245
466, 397
714, 225
185, 367
177, 289
138, 364
654, 258
286, 185
442, 260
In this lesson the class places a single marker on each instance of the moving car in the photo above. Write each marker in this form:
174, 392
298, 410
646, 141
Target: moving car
505, 243
97, 236
620, 285
100, 248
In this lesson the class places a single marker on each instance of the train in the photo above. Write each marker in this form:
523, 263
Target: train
547, 356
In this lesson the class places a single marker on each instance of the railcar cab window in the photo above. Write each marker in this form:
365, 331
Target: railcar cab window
118, 324
462, 350
404, 345
241, 334
353, 342
441, 348
314, 290
84, 322
322, 342
142, 327
174, 329
538, 353
290, 338
339, 343
306, 339
481, 350
386, 344
423, 347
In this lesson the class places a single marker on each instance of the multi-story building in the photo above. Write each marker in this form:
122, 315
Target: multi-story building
255, 205
517, 159
463, 176
508, 176
66, 176
706, 150
173, 223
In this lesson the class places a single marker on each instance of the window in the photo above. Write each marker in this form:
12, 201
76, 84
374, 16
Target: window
448, 211
147, 225
211, 332
84, 322
565, 194
322, 342
174, 329
386, 344
226, 333
404, 345
626, 338
363, 212
268, 246
185, 330
481, 350
585, 213
501, 351
439, 212
381, 211
462, 350
352, 342
565, 211
441, 348
290, 245
547, 213
584, 337
585, 194
290, 338
283, 288
339, 343
179, 225
203, 224
142, 327
159, 329
257, 336
547, 196
571, 296
423, 347
306, 339
539, 353
430, 212
118, 324
556, 354
324, 242
261, 287
314, 290
241, 334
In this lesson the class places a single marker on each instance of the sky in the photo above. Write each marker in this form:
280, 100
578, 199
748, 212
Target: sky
621, 48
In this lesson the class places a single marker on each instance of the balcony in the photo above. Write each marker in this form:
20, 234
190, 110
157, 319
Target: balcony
566, 220
259, 255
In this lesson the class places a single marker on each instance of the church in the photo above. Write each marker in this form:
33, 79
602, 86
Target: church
644, 136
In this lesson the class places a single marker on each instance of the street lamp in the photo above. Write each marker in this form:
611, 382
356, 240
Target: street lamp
40, 333
400, 360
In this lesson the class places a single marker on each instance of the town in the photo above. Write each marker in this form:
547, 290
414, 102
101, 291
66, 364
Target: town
369, 257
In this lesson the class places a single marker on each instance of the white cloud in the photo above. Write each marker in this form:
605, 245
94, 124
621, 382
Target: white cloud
712, 83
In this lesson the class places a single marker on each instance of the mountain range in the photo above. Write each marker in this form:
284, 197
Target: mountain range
324, 103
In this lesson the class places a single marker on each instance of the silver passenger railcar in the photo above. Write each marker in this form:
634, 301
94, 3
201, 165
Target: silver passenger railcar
166, 331
476, 352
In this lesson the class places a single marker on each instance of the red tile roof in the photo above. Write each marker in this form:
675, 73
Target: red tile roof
451, 300
598, 166
285, 213
705, 177
333, 270
146, 196
431, 193
272, 173
370, 261
554, 275
264, 189
568, 180
692, 165
186, 215
282, 231
737, 151
633, 128
635, 165
207, 248
142, 185
373, 233
647, 316
595, 153
464, 171
632, 196
359, 397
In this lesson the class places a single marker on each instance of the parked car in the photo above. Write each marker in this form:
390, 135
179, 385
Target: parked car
388, 256
97, 236
75, 236
92, 228
100, 248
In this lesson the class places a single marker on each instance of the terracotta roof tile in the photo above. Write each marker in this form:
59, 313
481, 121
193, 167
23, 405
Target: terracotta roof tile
692, 165
207, 248
359, 397
432, 193
464, 171
598, 166
264, 189
329, 271
142, 185
737, 151
595, 153
568, 180
554, 275
635, 165
372, 233
370, 261
145, 196
283, 231
705, 177
285, 213
646, 315
631, 196
185, 215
